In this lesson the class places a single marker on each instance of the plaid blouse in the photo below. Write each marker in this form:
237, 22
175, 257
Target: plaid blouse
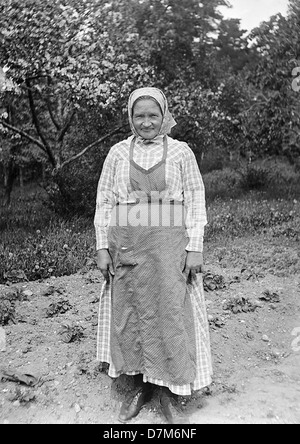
183, 179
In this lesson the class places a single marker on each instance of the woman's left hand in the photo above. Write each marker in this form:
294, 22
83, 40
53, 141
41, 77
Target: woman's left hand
193, 264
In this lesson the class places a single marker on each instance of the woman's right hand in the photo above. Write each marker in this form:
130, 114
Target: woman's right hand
105, 263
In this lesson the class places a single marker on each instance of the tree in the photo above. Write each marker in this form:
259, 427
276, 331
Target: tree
232, 45
274, 119
73, 64
66, 56
179, 34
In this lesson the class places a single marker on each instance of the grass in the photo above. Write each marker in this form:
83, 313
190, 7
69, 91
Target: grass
39, 244
257, 228
60, 249
251, 214
274, 178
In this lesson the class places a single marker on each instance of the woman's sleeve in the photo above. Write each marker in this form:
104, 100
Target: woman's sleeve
105, 201
194, 201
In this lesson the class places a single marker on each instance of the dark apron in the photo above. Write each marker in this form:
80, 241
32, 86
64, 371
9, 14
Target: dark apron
152, 329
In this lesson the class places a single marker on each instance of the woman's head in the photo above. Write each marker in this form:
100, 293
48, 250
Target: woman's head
147, 117
148, 113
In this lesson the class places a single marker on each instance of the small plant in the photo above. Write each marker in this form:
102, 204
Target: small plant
70, 333
7, 311
60, 307
24, 395
213, 282
268, 296
239, 304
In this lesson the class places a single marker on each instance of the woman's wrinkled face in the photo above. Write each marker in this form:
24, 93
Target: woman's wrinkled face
147, 118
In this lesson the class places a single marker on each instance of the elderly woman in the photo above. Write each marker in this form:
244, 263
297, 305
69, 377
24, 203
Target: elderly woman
149, 222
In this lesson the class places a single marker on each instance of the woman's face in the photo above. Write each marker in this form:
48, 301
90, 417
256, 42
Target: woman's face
147, 118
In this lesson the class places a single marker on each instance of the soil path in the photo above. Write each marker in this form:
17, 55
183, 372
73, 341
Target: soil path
256, 354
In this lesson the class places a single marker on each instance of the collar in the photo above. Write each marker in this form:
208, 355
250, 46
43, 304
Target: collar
158, 140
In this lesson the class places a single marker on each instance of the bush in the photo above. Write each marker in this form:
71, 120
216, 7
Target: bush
73, 191
27, 211
210, 163
221, 184
254, 178
274, 178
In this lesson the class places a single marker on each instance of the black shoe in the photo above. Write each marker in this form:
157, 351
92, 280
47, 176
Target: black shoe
132, 406
165, 404
170, 408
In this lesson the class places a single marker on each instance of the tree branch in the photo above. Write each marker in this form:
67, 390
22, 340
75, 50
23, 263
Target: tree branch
66, 127
24, 134
92, 145
39, 76
43, 99
34, 114
51, 114
48, 104
37, 124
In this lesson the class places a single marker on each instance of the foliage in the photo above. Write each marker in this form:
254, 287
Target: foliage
64, 57
60, 249
275, 177
36, 244
72, 45
221, 183
273, 118
232, 45
239, 304
179, 34
7, 311
80, 54
79, 189
64, 248
209, 119
72, 64
254, 178
252, 214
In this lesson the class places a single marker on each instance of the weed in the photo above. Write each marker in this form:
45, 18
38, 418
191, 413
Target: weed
239, 304
7, 311
60, 307
70, 333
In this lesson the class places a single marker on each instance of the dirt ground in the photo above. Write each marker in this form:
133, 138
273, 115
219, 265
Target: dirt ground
255, 336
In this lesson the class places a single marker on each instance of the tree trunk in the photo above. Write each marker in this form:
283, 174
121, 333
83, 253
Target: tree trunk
63, 188
21, 178
43, 173
5, 176
12, 172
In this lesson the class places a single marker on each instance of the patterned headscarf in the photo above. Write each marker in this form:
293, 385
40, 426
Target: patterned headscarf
160, 98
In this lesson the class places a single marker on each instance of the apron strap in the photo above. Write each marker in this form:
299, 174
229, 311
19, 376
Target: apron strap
131, 149
165, 149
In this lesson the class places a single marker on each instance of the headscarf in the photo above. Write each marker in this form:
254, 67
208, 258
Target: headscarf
160, 98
